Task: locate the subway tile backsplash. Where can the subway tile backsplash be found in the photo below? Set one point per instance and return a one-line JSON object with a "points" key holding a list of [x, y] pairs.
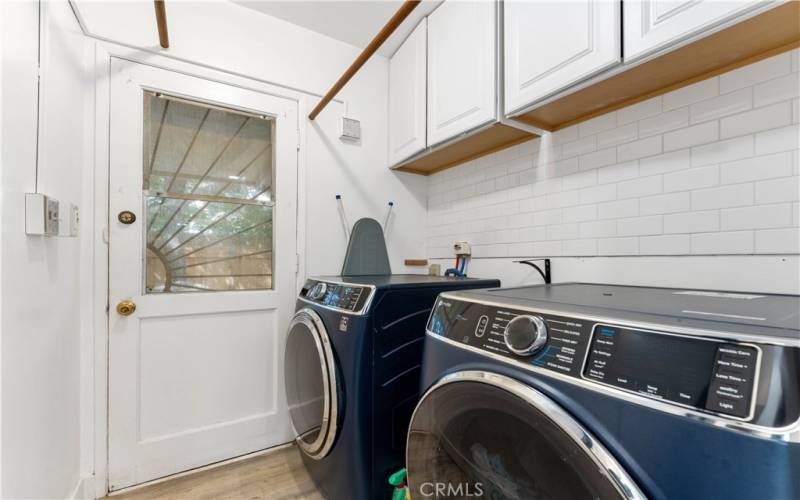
{"points": [[711, 168]]}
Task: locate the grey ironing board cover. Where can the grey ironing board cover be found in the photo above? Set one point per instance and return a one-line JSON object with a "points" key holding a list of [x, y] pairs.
{"points": [[366, 251]]}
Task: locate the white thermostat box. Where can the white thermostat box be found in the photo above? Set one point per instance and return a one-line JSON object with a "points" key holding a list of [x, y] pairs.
{"points": [[351, 130]]}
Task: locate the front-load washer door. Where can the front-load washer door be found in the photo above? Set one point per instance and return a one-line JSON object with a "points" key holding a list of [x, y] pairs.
{"points": [[484, 435], [312, 387]]}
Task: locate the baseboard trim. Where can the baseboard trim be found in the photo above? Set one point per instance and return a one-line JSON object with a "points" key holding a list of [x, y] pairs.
{"points": [[201, 469], [84, 490]]}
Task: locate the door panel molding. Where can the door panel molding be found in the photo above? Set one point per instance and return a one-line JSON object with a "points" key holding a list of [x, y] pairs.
{"points": [[538, 68], [407, 96], [461, 62], [648, 29]]}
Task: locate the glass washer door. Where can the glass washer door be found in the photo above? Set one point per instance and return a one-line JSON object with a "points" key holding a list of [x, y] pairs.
{"points": [[483, 435], [312, 387]]}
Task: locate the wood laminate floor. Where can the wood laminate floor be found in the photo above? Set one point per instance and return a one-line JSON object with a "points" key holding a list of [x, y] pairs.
{"points": [[277, 475]]}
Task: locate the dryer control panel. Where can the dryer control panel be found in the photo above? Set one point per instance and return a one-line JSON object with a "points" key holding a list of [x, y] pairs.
{"points": [[704, 374], [345, 297]]}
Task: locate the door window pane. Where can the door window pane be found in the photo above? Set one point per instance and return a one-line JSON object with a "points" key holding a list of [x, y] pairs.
{"points": [[208, 183]]}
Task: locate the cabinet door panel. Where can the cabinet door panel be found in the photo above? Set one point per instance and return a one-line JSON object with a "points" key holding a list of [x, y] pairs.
{"points": [[551, 45], [461, 68], [651, 25], [407, 97]]}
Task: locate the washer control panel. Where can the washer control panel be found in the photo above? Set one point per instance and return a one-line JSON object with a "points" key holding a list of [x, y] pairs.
{"points": [[555, 343], [708, 375], [340, 296], [703, 374]]}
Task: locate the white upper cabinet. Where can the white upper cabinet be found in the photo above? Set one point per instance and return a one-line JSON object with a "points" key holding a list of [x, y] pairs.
{"points": [[461, 68], [651, 25], [551, 45], [407, 97]]}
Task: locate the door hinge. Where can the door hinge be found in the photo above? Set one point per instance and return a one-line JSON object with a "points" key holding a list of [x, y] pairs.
{"points": [[297, 263], [298, 139]]}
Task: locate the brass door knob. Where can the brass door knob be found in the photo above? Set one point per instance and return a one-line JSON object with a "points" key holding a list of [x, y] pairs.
{"points": [[126, 307], [126, 217]]}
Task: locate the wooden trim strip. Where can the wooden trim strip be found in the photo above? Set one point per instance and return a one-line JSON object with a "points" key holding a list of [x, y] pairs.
{"points": [[684, 83], [161, 22], [482, 142], [399, 16]]}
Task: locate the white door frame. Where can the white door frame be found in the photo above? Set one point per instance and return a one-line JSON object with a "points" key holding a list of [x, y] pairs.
{"points": [[95, 221]]}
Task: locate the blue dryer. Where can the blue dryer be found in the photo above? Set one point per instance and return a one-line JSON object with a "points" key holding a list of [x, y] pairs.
{"points": [[352, 368], [587, 391]]}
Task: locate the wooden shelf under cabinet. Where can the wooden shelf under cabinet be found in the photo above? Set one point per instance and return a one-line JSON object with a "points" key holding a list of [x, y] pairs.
{"points": [[769, 33], [465, 148]]}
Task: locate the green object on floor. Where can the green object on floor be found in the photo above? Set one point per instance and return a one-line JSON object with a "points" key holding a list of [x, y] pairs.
{"points": [[398, 480]]}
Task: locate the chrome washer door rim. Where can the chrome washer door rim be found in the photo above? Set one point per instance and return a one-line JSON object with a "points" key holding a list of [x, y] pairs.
{"points": [[328, 430], [605, 461]]}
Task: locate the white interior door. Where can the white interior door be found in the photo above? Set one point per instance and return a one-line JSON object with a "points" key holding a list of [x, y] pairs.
{"points": [[208, 170]]}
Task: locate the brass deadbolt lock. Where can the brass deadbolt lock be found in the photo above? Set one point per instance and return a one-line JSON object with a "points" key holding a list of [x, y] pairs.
{"points": [[126, 217], [126, 307]]}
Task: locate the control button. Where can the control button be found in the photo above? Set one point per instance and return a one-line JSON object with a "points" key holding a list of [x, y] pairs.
{"points": [[724, 404], [598, 363], [733, 391], [736, 377], [318, 291], [601, 353], [733, 363], [740, 352], [525, 334], [480, 328], [606, 343], [731, 384], [625, 382], [652, 389], [596, 374]]}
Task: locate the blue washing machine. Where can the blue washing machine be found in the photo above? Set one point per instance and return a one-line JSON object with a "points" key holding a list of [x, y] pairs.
{"points": [[574, 391], [352, 367]]}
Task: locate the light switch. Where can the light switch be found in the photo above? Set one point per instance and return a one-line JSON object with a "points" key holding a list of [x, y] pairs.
{"points": [[71, 223]]}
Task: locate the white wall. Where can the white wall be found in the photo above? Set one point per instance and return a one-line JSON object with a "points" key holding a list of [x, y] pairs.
{"points": [[39, 289], [650, 194], [232, 38]]}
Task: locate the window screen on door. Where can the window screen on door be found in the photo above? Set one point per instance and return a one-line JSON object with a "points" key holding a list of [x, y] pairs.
{"points": [[208, 184]]}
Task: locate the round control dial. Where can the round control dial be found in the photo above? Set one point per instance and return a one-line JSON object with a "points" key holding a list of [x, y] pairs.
{"points": [[525, 334], [318, 291]]}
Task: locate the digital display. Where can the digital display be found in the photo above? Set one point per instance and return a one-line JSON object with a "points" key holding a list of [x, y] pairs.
{"points": [[658, 365]]}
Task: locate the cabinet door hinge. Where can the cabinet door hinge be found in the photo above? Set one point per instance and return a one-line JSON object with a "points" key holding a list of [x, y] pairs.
{"points": [[298, 139]]}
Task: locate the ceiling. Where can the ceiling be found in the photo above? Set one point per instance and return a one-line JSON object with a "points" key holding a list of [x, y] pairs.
{"points": [[351, 21]]}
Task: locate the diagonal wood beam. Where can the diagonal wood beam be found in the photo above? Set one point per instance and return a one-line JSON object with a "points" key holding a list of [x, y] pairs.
{"points": [[374, 45], [161, 21]]}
